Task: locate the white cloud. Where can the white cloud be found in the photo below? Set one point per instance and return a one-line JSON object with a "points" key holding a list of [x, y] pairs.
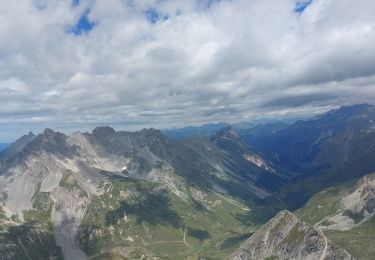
{"points": [[232, 61]]}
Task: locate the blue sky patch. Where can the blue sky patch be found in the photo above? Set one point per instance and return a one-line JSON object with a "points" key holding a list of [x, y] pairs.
{"points": [[39, 5], [75, 3], [206, 4], [83, 25], [154, 16], [301, 6]]}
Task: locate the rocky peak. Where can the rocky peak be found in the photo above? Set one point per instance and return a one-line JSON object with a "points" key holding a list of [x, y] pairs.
{"points": [[286, 237], [227, 133], [48, 132], [151, 131], [49, 141], [152, 135], [17, 146], [229, 140], [286, 215], [50, 137], [103, 131], [354, 109]]}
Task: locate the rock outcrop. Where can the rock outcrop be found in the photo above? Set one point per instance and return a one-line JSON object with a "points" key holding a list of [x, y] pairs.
{"points": [[286, 237]]}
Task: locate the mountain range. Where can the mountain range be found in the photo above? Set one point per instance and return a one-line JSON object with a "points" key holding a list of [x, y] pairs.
{"points": [[210, 193]]}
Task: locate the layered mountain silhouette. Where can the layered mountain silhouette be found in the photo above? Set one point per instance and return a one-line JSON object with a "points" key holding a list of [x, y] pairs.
{"points": [[113, 194], [325, 150]]}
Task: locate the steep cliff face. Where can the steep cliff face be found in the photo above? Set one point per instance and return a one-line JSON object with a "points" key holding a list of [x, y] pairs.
{"points": [[286, 237]]}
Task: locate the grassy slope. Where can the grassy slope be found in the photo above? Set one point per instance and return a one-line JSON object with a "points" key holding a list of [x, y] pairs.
{"points": [[357, 241], [159, 223], [324, 203]]}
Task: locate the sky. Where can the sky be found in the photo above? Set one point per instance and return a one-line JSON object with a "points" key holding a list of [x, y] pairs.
{"points": [[74, 65]]}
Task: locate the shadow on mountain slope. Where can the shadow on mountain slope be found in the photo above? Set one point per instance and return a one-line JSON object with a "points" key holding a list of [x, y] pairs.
{"points": [[198, 233], [152, 208], [235, 241], [28, 242]]}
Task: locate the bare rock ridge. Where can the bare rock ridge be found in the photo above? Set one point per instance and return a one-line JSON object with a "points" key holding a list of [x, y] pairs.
{"points": [[16, 147], [286, 237]]}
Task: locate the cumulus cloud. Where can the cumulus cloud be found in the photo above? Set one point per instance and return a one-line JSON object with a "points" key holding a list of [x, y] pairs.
{"points": [[77, 64]]}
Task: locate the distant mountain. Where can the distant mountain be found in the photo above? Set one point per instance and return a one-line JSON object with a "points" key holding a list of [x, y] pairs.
{"points": [[260, 131], [321, 140], [194, 131], [256, 128], [318, 152], [286, 237]]}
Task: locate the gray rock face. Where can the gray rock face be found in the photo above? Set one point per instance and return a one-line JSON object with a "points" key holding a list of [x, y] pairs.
{"points": [[286, 237], [16, 147]]}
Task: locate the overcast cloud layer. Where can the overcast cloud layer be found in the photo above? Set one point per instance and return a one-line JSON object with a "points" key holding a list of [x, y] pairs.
{"points": [[163, 63]]}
